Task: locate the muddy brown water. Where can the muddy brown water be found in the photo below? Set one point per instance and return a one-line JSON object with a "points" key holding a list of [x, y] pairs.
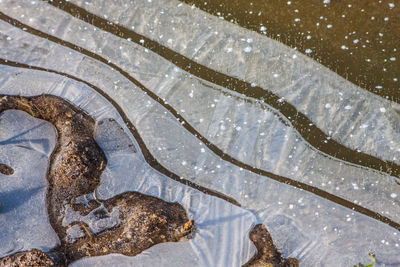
{"points": [[359, 40]]}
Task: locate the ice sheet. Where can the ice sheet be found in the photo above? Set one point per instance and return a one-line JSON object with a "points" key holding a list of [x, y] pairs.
{"points": [[247, 130], [217, 221], [25, 146], [303, 225], [326, 98]]}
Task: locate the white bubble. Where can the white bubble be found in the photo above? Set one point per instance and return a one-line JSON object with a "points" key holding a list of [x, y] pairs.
{"points": [[355, 186], [247, 49]]}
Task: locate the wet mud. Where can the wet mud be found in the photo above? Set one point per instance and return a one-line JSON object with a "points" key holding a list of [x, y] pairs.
{"points": [[144, 222], [32, 257], [6, 170], [75, 168], [267, 254]]}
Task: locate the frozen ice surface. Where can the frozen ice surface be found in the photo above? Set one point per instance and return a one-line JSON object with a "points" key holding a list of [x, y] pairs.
{"points": [[301, 81], [217, 221], [163, 254], [25, 146], [315, 230], [249, 131]]}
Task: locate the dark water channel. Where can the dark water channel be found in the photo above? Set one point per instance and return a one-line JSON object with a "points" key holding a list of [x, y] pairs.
{"points": [[360, 40], [235, 126]]}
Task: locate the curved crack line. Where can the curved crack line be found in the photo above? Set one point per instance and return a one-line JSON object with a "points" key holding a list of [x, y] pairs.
{"points": [[287, 123], [155, 164], [164, 103], [145, 151], [74, 170], [308, 130], [180, 118], [212, 147]]}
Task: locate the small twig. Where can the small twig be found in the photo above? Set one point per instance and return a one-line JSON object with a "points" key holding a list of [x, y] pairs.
{"points": [[101, 165], [87, 231], [29, 108]]}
